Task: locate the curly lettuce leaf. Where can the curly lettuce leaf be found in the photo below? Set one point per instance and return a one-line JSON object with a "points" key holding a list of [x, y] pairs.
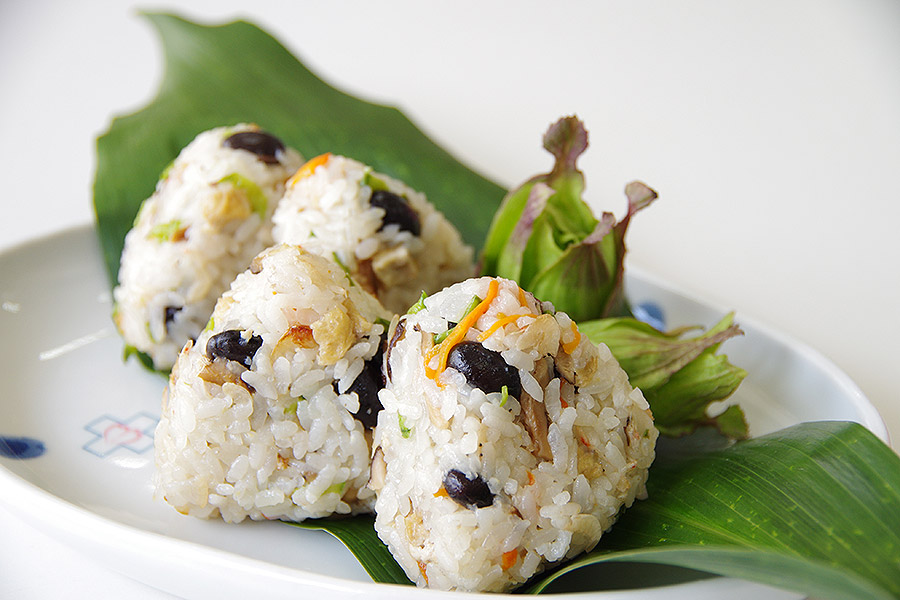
{"points": [[679, 376]]}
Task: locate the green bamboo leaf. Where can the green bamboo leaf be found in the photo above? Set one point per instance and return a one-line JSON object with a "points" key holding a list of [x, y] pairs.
{"points": [[238, 73], [814, 508], [358, 535], [772, 568], [142, 357]]}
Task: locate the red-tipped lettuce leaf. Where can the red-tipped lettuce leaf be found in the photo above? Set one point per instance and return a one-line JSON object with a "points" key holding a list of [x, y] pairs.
{"points": [[546, 237]]}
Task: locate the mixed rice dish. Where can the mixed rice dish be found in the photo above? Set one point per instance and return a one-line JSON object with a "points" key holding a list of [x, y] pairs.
{"points": [[332, 354]]}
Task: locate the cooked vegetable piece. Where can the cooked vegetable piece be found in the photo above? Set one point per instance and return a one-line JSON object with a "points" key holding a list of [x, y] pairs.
{"points": [[398, 334], [264, 145], [484, 369], [171, 311], [396, 210], [472, 493], [232, 345], [534, 413], [171, 231]]}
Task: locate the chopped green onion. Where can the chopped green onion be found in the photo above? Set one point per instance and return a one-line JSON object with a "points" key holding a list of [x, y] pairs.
{"points": [[337, 488], [420, 305], [149, 331], [165, 173], [504, 395], [140, 211], [440, 337], [292, 407], [475, 301], [373, 182], [383, 322], [343, 267], [404, 430], [165, 232], [255, 195]]}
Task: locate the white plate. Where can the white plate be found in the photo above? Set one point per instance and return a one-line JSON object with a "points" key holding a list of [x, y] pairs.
{"points": [[90, 418]]}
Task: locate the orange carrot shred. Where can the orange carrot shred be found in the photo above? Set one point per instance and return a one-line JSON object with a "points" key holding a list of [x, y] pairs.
{"points": [[442, 350], [564, 403], [502, 321], [569, 347], [441, 493], [422, 570], [308, 168], [509, 559], [530, 478], [522, 300]]}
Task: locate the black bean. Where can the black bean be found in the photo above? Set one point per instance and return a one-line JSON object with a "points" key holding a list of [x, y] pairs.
{"points": [[366, 388], [232, 345], [171, 311], [264, 145], [484, 369], [366, 385], [396, 210], [468, 492]]}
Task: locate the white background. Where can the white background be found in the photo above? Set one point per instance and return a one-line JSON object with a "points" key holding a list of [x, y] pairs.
{"points": [[771, 131]]}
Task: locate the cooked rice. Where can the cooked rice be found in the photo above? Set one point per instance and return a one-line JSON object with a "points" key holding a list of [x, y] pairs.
{"points": [[598, 445], [328, 209], [273, 440], [209, 216]]}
